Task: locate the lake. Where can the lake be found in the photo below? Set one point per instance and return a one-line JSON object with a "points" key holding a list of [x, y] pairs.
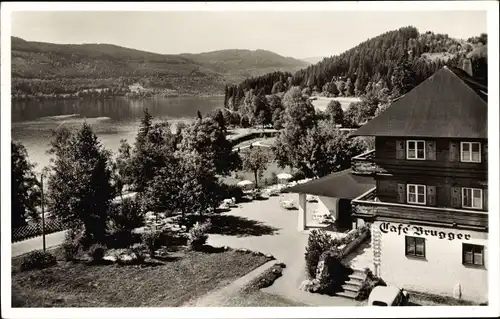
{"points": [[112, 119]]}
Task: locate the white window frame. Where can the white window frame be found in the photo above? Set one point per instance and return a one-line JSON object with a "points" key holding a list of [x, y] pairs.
{"points": [[416, 194], [469, 160], [472, 189], [416, 150]]}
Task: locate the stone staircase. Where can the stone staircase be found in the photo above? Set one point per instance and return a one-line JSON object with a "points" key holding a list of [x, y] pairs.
{"points": [[352, 286]]}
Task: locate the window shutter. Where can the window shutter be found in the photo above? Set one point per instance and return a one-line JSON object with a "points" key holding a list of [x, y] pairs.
{"points": [[456, 197], [454, 151], [431, 150], [431, 195], [484, 152], [485, 198], [400, 149], [401, 193]]}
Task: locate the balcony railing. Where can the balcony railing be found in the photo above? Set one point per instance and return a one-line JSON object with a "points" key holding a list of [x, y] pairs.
{"points": [[364, 164], [369, 206]]}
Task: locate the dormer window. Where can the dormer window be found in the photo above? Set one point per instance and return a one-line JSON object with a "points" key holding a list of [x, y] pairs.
{"points": [[415, 150], [470, 152]]}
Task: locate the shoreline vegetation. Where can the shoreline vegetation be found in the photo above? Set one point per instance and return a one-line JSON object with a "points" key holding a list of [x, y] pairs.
{"points": [[107, 93]]}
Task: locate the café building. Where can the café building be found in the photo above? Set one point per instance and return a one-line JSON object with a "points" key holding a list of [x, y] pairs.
{"points": [[429, 205]]}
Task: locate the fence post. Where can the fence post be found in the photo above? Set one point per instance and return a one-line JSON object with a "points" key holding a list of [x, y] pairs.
{"points": [[43, 213]]}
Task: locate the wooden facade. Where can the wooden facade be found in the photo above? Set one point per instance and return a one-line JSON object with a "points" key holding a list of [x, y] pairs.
{"points": [[442, 171]]}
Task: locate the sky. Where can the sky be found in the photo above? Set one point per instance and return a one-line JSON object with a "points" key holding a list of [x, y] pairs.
{"points": [[296, 34]]}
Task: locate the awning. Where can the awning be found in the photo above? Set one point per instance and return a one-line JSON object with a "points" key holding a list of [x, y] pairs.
{"points": [[343, 184]]}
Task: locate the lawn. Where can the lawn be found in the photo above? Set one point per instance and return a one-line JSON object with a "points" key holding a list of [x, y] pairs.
{"points": [[272, 167], [164, 282], [260, 299]]}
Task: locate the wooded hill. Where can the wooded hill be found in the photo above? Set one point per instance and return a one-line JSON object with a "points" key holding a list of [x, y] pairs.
{"points": [[53, 69], [374, 65]]}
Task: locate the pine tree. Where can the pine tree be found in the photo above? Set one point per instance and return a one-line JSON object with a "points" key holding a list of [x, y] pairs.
{"points": [[80, 187]]}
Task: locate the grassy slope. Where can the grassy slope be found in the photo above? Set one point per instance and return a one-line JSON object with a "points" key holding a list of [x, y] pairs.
{"points": [[171, 283]]}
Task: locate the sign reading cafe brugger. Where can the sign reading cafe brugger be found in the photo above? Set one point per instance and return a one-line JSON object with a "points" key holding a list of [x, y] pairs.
{"points": [[419, 231]]}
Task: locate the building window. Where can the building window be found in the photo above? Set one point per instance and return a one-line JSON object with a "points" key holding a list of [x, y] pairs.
{"points": [[470, 152], [472, 254], [415, 246], [472, 198], [415, 150], [415, 194]]}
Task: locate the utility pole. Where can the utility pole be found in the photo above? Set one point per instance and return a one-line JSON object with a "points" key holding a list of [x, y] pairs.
{"points": [[43, 212]]}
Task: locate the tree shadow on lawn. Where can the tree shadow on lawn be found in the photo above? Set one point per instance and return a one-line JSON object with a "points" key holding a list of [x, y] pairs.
{"points": [[213, 250], [239, 226], [165, 259]]}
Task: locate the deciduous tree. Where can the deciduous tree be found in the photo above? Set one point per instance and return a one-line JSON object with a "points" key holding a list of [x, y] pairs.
{"points": [[25, 191], [334, 112], [255, 160]]}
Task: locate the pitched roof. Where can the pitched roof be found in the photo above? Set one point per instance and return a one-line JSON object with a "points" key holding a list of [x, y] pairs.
{"points": [[343, 184], [447, 104]]}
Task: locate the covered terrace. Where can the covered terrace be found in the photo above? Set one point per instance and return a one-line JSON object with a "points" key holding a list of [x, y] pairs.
{"points": [[334, 193]]}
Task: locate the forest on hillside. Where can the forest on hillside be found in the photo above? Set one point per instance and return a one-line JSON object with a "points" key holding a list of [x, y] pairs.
{"points": [[47, 70], [373, 66]]}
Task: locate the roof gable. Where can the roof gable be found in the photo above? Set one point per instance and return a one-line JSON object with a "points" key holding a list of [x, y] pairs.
{"points": [[443, 105]]}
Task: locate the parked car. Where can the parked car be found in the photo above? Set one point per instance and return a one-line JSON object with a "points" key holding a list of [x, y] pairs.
{"points": [[388, 296], [224, 205], [272, 191], [311, 198], [287, 204]]}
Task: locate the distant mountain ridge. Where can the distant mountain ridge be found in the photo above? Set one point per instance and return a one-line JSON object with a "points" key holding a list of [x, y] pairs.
{"points": [[313, 60], [48, 68]]}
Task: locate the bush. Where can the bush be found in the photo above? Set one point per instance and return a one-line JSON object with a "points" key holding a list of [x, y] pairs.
{"points": [[318, 242], [198, 236], [266, 279], [96, 252], [37, 259], [231, 191], [367, 286], [274, 179], [331, 273], [151, 240], [138, 249], [72, 244], [124, 218], [298, 175]]}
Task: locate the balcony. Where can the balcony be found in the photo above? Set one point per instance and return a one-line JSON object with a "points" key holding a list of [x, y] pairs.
{"points": [[370, 207], [364, 164]]}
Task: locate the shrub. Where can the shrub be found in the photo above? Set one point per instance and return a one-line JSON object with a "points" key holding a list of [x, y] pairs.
{"points": [[318, 242], [367, 286], [274, 179], [96, 252], [72, 244], [138, 249], [124, 218], [298, 175], [331, 273], [37, 259], [231, 191], [198, 236], [151, 240], [266, 279]]}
